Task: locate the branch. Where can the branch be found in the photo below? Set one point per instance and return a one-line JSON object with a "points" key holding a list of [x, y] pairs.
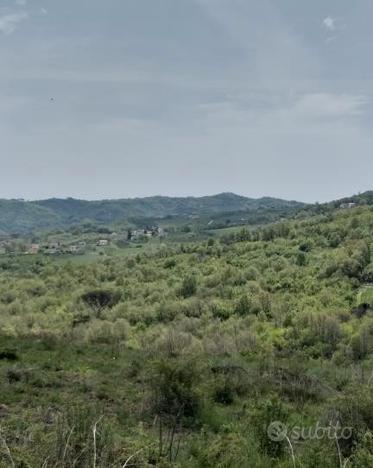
{"points": [[291, 450], [94, 442], [132, 456]]}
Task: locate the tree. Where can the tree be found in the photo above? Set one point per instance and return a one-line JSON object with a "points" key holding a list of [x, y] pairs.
{"points": [[188, 287], [101, 298]]}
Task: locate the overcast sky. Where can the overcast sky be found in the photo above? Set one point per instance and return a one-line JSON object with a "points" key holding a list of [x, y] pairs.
{"points": [[124, 98]]}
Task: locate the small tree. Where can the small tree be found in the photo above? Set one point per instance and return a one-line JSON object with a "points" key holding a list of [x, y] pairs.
{"points": [[188, 287], [101, 299], [175, 402]]}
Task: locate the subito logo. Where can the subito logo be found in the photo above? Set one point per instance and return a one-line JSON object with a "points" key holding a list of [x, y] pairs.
{"points": [[277, 431]]}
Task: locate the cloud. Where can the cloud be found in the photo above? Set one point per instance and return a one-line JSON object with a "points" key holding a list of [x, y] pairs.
{"points": [[330, 23], [21, 2], [44, 11], [9, 22], [331, 105]]}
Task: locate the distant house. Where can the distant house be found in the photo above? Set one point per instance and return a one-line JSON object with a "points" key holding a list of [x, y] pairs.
{"points": [[34, 249], [2, 247], [345, 206], [148, 232], [136, 234], [102, 243], [162, 232], [52, 248]]}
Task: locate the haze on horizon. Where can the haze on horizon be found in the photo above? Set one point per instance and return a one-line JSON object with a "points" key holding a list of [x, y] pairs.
{"points": [[121, 98]]}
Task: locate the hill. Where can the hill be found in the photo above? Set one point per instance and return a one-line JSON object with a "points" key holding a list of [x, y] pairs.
{"points": [[186, 357], [26, 216], [22, 217], [365, 198]]}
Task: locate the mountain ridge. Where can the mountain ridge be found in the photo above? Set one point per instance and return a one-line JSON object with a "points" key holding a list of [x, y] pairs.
{"points": [[18, 216]]}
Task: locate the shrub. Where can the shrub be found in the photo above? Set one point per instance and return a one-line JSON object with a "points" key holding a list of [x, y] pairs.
{"points": [[227, 450], [74, 444], [247, 305], [188, 287], [174, 391], [9, 355], [361, 343], [368, 274], [101, 298], [220, 311], [353, 410], [363, 456], [267, 413]]}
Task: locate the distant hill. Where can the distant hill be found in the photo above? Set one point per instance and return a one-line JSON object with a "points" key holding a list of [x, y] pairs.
{"points": [[365, 198], [21, 217], [17, 216]]}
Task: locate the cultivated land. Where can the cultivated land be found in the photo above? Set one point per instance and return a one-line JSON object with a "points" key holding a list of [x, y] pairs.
{"points": [[181, 355]]}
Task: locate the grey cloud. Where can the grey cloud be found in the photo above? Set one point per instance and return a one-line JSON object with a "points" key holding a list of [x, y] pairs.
{"points": [[10, 21], [186, 97], [330, 23]]}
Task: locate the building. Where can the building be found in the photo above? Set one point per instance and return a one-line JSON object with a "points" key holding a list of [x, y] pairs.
{"points": [[34, 249], [137, 234], [345, 206], [162, 232], [102, 243]]}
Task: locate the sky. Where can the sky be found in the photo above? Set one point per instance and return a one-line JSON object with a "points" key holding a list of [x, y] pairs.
{"points": [[131, 98]]}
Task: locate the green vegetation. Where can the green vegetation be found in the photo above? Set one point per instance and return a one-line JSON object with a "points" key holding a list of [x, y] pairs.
{"points": [[185, 355], [17, 216]]}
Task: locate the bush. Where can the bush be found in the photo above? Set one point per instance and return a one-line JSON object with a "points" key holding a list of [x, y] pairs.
{"points": [[247, 305], [267, 413], [174, 391], [361, 344], [101, 298], [73, 444], [353, 410], [227, 450], [368, 274], [188, 287]]}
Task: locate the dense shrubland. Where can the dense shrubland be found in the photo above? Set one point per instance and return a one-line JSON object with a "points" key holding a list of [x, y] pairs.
{"points": [[183, 358]]}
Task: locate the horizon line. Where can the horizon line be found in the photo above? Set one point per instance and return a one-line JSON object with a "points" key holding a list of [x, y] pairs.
{"points": [[36, 200]]}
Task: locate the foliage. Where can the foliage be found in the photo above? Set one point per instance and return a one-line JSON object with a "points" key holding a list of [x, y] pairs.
{"points": [[17, 216], [184, 356]]}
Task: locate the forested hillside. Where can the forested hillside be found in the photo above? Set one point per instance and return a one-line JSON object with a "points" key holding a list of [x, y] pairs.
{"points": [[186, 357], [18, 216], [22, 217]]}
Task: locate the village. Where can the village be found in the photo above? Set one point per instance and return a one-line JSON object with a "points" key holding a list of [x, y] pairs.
{"points": [[15, 245]]}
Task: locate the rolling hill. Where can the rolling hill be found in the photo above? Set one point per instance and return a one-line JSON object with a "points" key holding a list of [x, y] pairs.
{"points": [[17, 216]]}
